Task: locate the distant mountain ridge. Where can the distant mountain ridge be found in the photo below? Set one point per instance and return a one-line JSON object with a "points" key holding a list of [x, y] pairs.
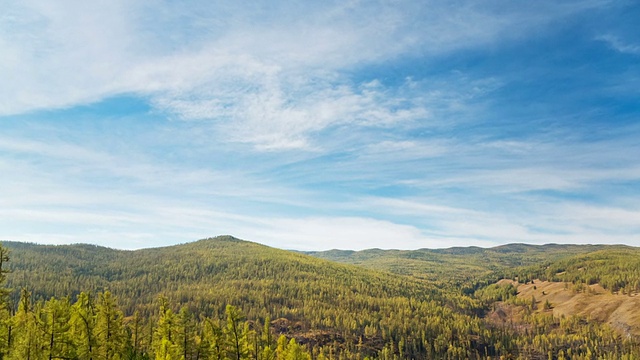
{"points": [[459, 264]]}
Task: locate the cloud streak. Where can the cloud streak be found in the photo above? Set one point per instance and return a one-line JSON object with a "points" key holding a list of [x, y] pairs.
{"points": [[284, 69], [312, 126]]}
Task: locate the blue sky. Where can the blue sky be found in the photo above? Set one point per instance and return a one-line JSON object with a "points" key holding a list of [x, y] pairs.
{"points": [[318, 125]]}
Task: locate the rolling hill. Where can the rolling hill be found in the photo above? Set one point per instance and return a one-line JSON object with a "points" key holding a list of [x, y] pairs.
{"points": [[342, 307], [382, 303], [462, 266]]}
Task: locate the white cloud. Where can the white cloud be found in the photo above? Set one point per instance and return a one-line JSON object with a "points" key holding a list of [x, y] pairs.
{"points": [[288, 77], [353, 233], [619, 45], [414, 207], [271, 75], [58, 150], [531, 220]]}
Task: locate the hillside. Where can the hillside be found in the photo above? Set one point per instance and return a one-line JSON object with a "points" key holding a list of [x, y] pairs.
{"points": [[182, 269], [460, 266], [592, 302], [319, 302], [412, 307]]}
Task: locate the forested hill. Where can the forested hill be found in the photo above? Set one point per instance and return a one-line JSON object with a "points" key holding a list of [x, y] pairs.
{"points": [[333, 306], [222, 268], [460, 265], [336, 311]]}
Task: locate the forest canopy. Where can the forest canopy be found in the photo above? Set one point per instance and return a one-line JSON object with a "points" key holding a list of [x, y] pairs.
{"points": [[224, 298]]}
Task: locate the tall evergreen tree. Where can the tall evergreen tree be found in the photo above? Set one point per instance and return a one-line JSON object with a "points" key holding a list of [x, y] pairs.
{"points": [[164, 344], [83, 323], [236, 332], [185, 336], [135, 328], [109, 329], [28, 344], [213, 340], [56, 316], [6, 324]]}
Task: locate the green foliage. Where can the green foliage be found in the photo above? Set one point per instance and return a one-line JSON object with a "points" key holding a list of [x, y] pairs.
{"points": [[464, 268], [329, 305], [56, 317], [82, 326], [495, 292], [28, 343], [215, 299], [617, 269], [109, 330], [290, 350]]}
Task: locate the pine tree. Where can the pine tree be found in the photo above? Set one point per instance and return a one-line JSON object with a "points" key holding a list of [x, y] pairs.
{"points": [[266, 341], [164, 337], [83, 323], [28, 342], [296, 351], [109, 330], [57, 314], [185, 336], [213, 340], [6, 325], [236, 334], [290, 350], [135, 328]]}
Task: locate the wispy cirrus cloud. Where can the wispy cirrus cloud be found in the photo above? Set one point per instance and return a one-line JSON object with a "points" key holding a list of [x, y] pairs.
{"points": [[314, 125], [531, 221], [619, 45], [271, 75]]}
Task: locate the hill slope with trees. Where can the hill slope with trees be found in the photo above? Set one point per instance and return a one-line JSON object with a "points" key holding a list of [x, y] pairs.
{"points": [[458, 262], [202, 295], [338, 308]]}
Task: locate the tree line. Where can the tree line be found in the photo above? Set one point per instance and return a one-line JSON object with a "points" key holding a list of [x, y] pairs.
{"points": [[95, 328]]}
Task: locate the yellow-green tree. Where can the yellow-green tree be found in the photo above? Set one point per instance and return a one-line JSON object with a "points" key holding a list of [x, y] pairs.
{"points": [[109, 329], [164, 344], [236, 334], [83, 323], [6, 325], [56, 320], [28, 344]]}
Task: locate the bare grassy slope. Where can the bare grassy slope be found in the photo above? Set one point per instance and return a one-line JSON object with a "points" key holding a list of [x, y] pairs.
{"points": [[622, 312]]}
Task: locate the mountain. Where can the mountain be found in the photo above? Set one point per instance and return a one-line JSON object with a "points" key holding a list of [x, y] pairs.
{"points": [[461, 265], [445, 303], [181, 271], [317, 301]]}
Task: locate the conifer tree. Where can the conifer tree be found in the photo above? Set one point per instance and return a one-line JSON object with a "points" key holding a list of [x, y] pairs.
{"points": [[164, 337], [56, 316], [213, 340], [28, 342], [109, 331], [185, 336], [6, 325], [266, 341], [135, 329], [236, 334], [83, 323], [290, 350]]}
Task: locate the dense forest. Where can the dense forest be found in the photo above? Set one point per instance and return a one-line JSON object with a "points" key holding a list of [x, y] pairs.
{"points": [[462, 267], [223, 298], [616, 269]]}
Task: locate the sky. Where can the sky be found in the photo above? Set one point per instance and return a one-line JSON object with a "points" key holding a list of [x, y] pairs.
{"points": [[317, 125]]}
